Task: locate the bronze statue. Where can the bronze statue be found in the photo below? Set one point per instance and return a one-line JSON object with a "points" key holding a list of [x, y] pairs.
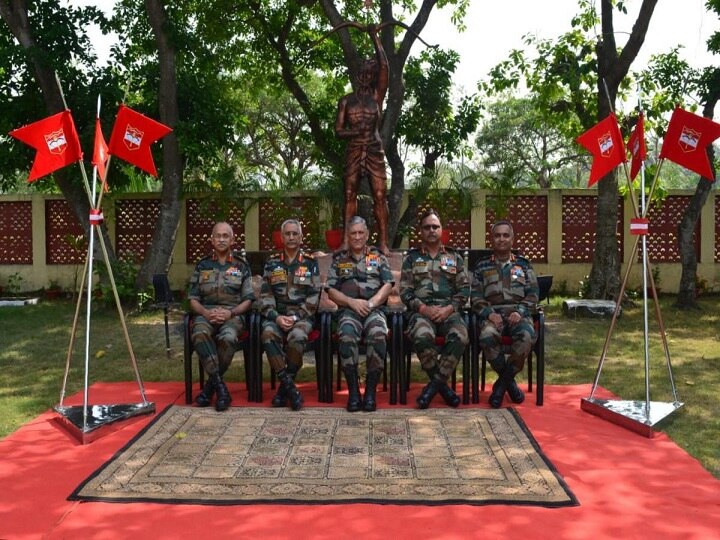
{"points": [[358, 120]]}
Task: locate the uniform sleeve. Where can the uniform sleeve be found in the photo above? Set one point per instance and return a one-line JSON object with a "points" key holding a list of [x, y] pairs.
{"points": [[309, 307], [407, 286], [478, 302], [247, 292], [386, 275], [332, 277], [194, 285], [462, 286], [268, 307], [532, 290]]}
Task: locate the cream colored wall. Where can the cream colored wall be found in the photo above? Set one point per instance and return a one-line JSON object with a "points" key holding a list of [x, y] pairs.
{"points": [[39, 275]]}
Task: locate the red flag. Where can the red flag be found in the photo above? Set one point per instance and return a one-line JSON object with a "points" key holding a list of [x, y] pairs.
{"points": [[605, 143], [636, 145], [132, 136], [686, 140], [100, 154], [55, 140]]}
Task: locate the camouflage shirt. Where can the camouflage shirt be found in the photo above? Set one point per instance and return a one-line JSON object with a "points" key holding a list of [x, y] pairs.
{"points": [[359, 278], [513, 283], [221, 285], [438, 281], [290, 288]]}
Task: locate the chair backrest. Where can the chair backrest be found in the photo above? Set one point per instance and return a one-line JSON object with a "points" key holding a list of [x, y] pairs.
{"points": [[544, 285], [163, 294], [395, 258], [324, 261], [256, 281]]}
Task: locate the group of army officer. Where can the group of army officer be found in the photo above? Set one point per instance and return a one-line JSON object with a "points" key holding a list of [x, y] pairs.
{"points": [[434, 288]]}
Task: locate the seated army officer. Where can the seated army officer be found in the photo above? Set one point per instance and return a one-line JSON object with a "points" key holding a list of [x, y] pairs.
{"points": [[288, 302], [434, 287], [359, 282], [504, 294], [220, 292]]}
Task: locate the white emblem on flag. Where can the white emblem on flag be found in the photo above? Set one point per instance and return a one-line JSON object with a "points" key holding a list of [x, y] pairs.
{"points": [[56, 142], [133, 137], [689, 139], [606, 144]]}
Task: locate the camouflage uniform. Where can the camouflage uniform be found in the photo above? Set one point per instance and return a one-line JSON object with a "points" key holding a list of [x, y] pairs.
{"points": [[361, 278], [288, 288], [219, 285], [505, 288], [438, 281]]}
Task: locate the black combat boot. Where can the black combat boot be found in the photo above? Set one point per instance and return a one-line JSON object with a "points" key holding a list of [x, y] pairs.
{"points": [[291, 392], [369, 401], [449, 396], [204, 398], [280, 397], [428, 393], [354, 402], [223, 394], [505, 378], [513, 390]]}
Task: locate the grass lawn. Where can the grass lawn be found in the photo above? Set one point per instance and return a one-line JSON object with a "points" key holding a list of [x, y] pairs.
{"points": [[34, 344]]}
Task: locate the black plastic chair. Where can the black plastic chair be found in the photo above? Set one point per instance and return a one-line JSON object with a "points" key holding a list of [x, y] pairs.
{"points": [[163, 299]]}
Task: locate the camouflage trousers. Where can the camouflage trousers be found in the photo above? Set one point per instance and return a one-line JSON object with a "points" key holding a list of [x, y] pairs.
{"points": [[285, 349], [523, 338], [351, 328], [422, 332], [216, 343]]}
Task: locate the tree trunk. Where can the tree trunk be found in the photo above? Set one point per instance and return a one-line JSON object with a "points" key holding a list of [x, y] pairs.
{"points": [[15, 15], [686, 296], [612, 69], [395, 193], [158, 255]]}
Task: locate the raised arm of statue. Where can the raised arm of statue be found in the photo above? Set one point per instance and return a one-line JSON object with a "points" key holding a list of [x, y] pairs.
{"points": [[383, 70]]}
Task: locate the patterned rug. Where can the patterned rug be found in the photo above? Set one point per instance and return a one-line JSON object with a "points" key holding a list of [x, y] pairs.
{"points": [[327, 455]]}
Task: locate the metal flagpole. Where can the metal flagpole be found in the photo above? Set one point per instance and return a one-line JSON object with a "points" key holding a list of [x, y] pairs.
{"points": [[637, 416], [91, 422]]}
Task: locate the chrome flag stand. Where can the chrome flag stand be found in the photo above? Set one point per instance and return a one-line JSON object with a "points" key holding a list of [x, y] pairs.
{"points": [[89, 422], [636, 415]]}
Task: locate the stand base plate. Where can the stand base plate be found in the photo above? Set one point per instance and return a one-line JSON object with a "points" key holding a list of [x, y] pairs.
{"points": [[637, 416], [101, 419]]}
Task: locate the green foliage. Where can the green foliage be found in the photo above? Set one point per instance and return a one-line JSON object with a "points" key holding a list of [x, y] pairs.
{"points": [[430, 121], [584, 287], [659, 194], [124, 274], [14, 285], [447, 185], [62, 42], [516, 134]]}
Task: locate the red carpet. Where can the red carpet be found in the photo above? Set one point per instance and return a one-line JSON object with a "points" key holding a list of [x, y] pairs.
{"points": [[628, 487]]}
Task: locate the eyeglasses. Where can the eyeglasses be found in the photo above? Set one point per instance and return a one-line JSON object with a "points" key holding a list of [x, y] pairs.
{"points": [[431, 227]]}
